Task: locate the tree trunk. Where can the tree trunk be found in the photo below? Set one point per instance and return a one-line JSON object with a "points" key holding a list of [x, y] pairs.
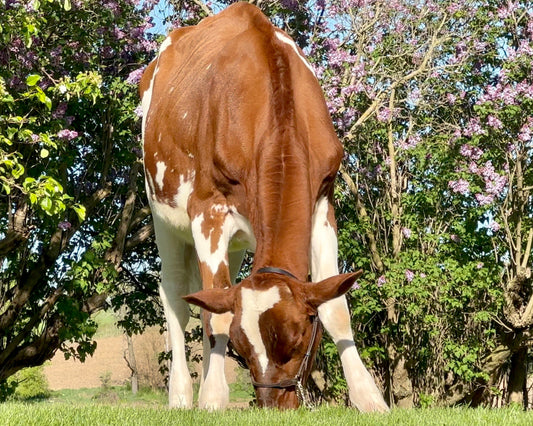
{"points": [[516, 386], [399, 386], [132, 364]]}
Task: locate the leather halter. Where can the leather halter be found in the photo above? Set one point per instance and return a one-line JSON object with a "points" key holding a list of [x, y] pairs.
{"points": [[273, 270], [297, 380]]}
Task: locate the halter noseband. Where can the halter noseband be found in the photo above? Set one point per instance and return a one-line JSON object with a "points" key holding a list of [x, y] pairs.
{"points": [[297, 380]]}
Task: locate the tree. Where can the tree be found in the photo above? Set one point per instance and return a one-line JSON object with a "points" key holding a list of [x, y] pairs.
{"points": [[428, 98], [73, 222]]}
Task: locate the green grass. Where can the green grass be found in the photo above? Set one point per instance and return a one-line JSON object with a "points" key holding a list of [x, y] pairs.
{"points": [[117, 406], [50, 413], [107, 325], [114, 395]]}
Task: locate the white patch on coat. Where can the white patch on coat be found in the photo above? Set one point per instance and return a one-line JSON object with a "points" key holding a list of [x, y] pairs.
{"points": [[185, 115], [147, 95], [213, 259], [254, 303], [160, 174], [176, 216], [146, 101], [287, 40], [166, 43], [237, 234]]}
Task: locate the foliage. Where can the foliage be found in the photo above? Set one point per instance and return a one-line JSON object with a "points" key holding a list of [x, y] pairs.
{"points": [[29, 383], [69, 148], [426, 104]]}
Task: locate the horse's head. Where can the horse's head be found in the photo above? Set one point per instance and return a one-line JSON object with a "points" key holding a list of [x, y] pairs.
{"points": [[272, 327]]}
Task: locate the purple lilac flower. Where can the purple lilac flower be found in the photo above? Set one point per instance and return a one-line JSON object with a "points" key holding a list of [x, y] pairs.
{"points": [[60, 111], [474, 128], [409, 275], [525, 133], [135, 76], [67, 134], [139, 111], [381, 280], [460, 186], [484, 200], [64, 226], [451, 98], [494, 226], [385, 114], [479, 265], [472, 152], [494, 122], [411, 142], [406, 232]]}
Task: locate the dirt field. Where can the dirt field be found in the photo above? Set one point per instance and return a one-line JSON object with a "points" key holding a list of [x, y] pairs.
{"points": [[108, 362]]}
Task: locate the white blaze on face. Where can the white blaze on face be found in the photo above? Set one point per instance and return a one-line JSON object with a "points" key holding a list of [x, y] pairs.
{"points": [[287, 40], [254, 303]]}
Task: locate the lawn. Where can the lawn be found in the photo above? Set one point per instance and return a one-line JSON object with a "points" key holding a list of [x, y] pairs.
{"points": [[116, 406]]}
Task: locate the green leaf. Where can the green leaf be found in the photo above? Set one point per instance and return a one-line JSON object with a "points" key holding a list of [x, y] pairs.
{"points": [[46, 204], [7, 188], [67, 5], [80, 211], [44, 153], [32, 79]]}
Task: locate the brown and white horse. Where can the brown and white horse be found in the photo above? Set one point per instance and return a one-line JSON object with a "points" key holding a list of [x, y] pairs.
{"points": [[240, 153]]}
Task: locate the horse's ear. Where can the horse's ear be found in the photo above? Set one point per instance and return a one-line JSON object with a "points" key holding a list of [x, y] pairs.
{"points": [[216, 300], [317, 293]]}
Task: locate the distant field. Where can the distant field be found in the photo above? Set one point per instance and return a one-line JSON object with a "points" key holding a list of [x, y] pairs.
{"points": [[47, 413]]}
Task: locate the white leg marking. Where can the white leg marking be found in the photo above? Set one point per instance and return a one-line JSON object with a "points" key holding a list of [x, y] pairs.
{"points": [[160, 174], [254, 303], [323, 244], [215, 393], [214, 390], [335, 315], [286, 39], [185, 115], [176, 281]]}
